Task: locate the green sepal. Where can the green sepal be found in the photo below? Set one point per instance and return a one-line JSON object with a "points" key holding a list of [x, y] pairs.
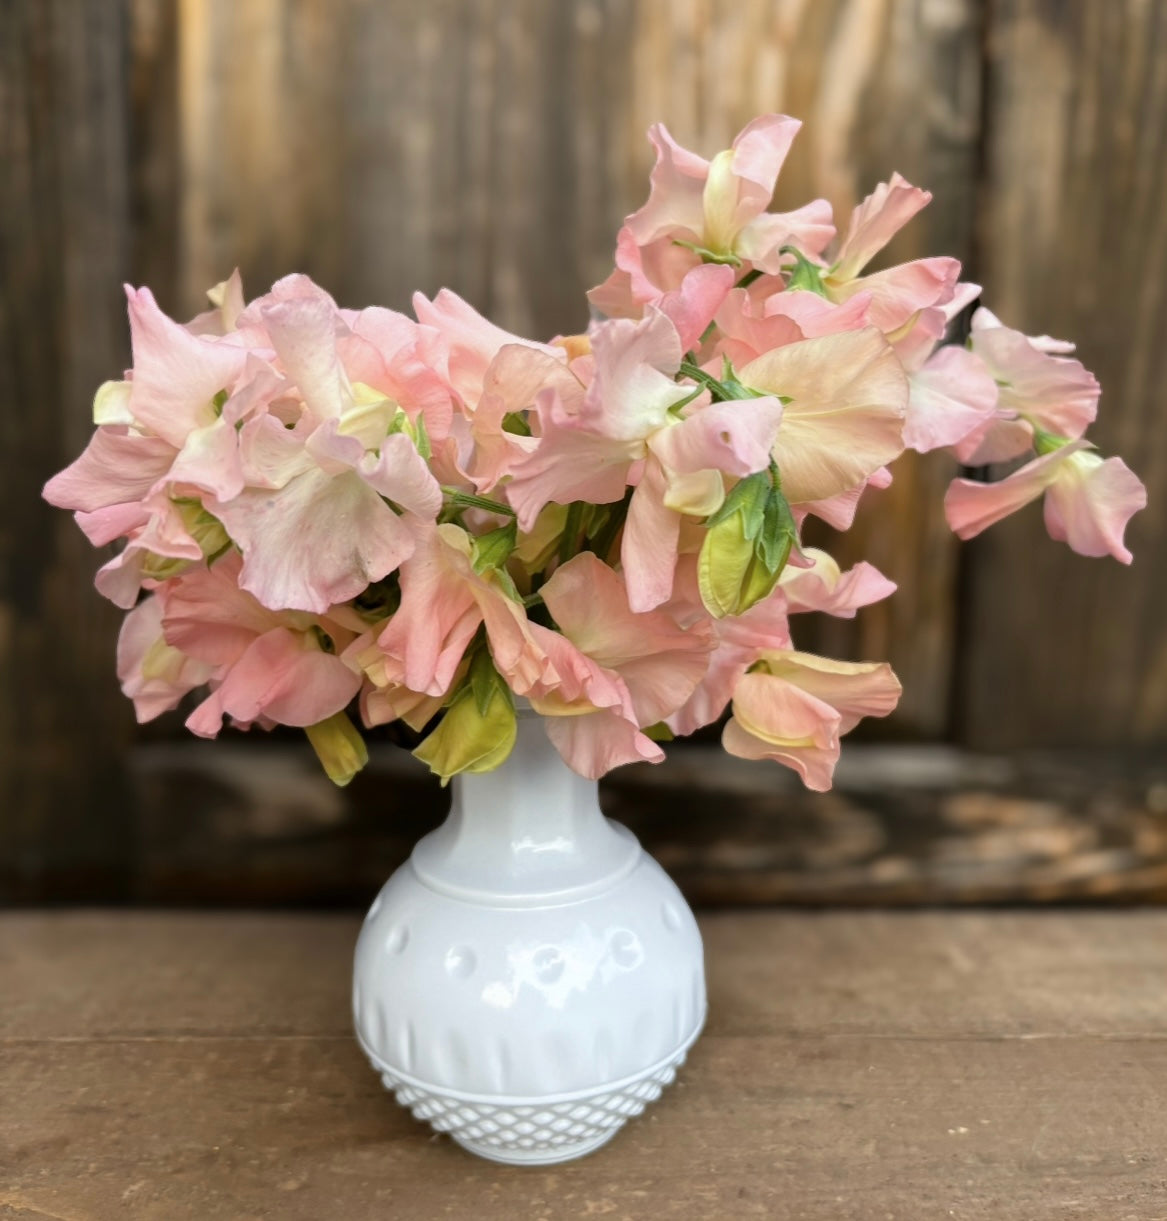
{"points": [[707, 255], [748, 496], [493, 549], [515, 423], [805, 275]]}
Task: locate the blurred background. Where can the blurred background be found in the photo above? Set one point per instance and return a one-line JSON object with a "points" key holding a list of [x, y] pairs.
{"points": [[494, 147]]}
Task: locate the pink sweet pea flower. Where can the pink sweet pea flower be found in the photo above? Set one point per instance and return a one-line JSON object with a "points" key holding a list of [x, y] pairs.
{"points": [[1039, 387], [313, 523], [739, 640], [1089, 500], [796, 707], [901, 292], [749, 326], [952, 396], [266, 667], [625, 431], [154, 674], [591, 720], [472, 341], [713, 210], [177, 374], [443, 601], [659, 661]]}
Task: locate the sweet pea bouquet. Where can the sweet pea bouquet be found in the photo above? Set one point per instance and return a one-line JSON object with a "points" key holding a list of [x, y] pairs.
{"points": [[329, 514]]}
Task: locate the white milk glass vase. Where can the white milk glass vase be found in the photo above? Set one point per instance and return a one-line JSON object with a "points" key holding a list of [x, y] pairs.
{"points": [[530, 978]]}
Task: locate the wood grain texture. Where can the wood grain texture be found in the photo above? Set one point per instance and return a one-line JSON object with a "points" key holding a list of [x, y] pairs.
{"points": [[1074, 223], [991, 1066], [225, 823], [64, 249]]}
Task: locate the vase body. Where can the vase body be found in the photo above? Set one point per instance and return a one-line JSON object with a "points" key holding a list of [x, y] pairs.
{"points": [[530, 978]]}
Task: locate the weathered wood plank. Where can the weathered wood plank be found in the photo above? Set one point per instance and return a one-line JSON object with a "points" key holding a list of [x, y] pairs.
{"points": [[1074, 243], [230, 823], [976, 1066], [64, 249]]}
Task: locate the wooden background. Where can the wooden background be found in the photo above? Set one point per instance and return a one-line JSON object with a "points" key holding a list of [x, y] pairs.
{"points": [[384, 146]]}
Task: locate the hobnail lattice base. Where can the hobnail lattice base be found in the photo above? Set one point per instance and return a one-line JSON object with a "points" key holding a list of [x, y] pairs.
{"points": [[533, 1131]]}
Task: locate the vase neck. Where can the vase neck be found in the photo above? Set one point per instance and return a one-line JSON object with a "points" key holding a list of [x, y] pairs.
{"points": [[530, 831]]}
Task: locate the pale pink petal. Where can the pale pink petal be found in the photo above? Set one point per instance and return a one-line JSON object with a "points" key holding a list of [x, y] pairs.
{"points": [[984, 319], [809, 229], [740, 181], [692, 306], [971, 507], [744, 333], [952, 396], [734, 437], [152, 674], [116, 468], [899, 292], [659, 661], [102, 526], [513, 382], [1056, 393], [674, 206], [283, 677], [317, 541], [121, 579], [875, 222], [634, 386], [271, 454], [394, 355], [570, 463], [759, 151], [176, 374], [825, 588], [438, 615], [776, 720], [815, 315], [210, 460], [796, 709], [304, 334], [1090, 502], [473, 340], [207, 615], [999, 439], [594, 743], [648, 552], [855, 689]]}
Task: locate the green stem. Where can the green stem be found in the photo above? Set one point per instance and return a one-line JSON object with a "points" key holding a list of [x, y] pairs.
{"points": [[688, 369], [468, 500], [571, 529]]}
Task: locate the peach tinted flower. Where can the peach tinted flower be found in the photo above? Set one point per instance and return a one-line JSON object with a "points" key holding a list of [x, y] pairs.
{"points": [[1089, 500], [712, 210], [845, 397], [797, 706]]}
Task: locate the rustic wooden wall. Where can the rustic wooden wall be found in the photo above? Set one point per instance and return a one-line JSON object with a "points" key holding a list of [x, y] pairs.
{"points": [[494, 145]]}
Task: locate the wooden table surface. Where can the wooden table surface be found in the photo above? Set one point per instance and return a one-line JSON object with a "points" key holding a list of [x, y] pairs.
{"points": [[869, 1066]]}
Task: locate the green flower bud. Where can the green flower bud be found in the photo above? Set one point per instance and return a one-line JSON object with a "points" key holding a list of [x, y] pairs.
{"points": [[339, 747], [478, 730], [746, 546]]}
